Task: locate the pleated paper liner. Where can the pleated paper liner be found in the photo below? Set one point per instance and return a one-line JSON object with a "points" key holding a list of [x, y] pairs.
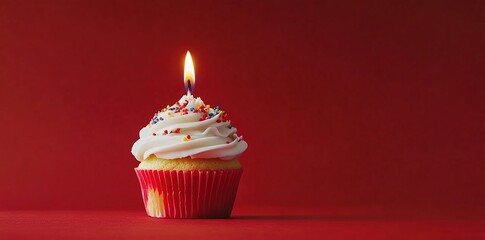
{"points": [[189, 194]]}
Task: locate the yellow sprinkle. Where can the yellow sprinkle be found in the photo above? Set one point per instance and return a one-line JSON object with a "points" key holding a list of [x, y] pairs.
{"points": [[186, 139]]}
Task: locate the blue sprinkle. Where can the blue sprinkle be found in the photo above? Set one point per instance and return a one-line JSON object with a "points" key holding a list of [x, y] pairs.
{"points": [[176, 108], [229, 126], [192, 109], [211, 114]]}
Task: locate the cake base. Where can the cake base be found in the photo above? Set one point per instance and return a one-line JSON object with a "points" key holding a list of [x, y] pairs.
{"points": [[189, 194]]}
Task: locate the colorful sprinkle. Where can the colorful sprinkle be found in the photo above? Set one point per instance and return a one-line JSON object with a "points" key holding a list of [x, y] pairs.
{"points": [[181, 108]]}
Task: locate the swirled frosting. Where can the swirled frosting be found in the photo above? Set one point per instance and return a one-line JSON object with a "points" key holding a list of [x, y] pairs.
{"points": [[189, 128]]}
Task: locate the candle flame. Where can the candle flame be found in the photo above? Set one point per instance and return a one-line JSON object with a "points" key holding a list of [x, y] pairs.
{"points": [[189, 74]]}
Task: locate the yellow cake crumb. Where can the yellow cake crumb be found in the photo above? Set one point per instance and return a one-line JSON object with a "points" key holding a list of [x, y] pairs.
{"points": [[187, 164], [154, 204]]}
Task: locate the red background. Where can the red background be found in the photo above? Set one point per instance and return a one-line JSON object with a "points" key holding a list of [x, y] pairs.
{"points": [[342, 104]]}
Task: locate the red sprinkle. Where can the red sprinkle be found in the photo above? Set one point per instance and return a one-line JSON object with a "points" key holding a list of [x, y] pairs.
{"points": [[227, 142], [154, 134], [165, 132], [188, 136], [177, 130]]}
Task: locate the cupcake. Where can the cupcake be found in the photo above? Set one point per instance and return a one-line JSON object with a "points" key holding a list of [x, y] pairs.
{"points": [[189, 165]]}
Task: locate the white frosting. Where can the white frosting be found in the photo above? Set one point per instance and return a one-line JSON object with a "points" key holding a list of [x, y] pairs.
{"points": [[203, 132]]}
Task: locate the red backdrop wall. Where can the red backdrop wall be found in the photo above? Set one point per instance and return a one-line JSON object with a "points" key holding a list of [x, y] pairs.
{"points": [[342, 104]]}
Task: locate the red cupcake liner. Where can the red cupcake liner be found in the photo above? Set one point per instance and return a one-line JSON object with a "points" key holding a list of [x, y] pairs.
{"points": [[189, 194]]}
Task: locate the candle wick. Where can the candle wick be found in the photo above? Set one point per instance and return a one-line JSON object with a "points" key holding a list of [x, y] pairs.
{"points": [[189, 87]]}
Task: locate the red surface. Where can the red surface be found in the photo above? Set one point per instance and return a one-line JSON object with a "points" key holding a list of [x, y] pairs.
{"points": [[272, 225], [342, 104]]}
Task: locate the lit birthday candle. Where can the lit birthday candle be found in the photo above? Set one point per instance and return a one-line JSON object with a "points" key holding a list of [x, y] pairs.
{"points": [[189, 74]]}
